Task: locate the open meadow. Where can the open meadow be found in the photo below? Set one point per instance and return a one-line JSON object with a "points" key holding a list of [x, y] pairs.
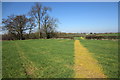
{"points": [[54, 58]]}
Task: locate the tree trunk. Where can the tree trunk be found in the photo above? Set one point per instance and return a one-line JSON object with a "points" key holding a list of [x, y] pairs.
{"points": [[39, 29]]}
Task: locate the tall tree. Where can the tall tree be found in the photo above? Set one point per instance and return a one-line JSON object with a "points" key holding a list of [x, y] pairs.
{"points": [[16, 25], [49, 26], [38, 12]]}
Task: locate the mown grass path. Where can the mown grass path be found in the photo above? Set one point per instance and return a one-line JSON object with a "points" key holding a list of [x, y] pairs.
{"points": [[85, 65], [27, 64]]}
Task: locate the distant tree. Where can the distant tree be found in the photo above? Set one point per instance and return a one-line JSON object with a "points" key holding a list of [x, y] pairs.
{"points": [[38, 12], [49, 26], [16, 25], [91, 33]]}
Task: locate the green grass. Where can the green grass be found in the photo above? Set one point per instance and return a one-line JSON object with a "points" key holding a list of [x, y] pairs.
{"points": [[0, 59], [46, 58], [11, 63], [54, 58], [106, 52]]}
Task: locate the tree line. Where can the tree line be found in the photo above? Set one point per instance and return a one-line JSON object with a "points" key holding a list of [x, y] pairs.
{"points": [[20, 27]]}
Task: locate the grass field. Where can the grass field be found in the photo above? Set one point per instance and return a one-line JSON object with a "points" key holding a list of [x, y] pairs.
{"points": [[38, 58], [110, 34], [106, 52], [54, 58]]}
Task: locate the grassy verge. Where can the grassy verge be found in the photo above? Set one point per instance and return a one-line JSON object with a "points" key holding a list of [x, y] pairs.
{"points": [[106, 52], [38, 58]]}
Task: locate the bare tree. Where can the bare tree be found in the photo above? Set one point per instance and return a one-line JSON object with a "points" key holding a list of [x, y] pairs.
{"points": [[38, 12], [16, 25], [49, 26], [8, 26]]}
